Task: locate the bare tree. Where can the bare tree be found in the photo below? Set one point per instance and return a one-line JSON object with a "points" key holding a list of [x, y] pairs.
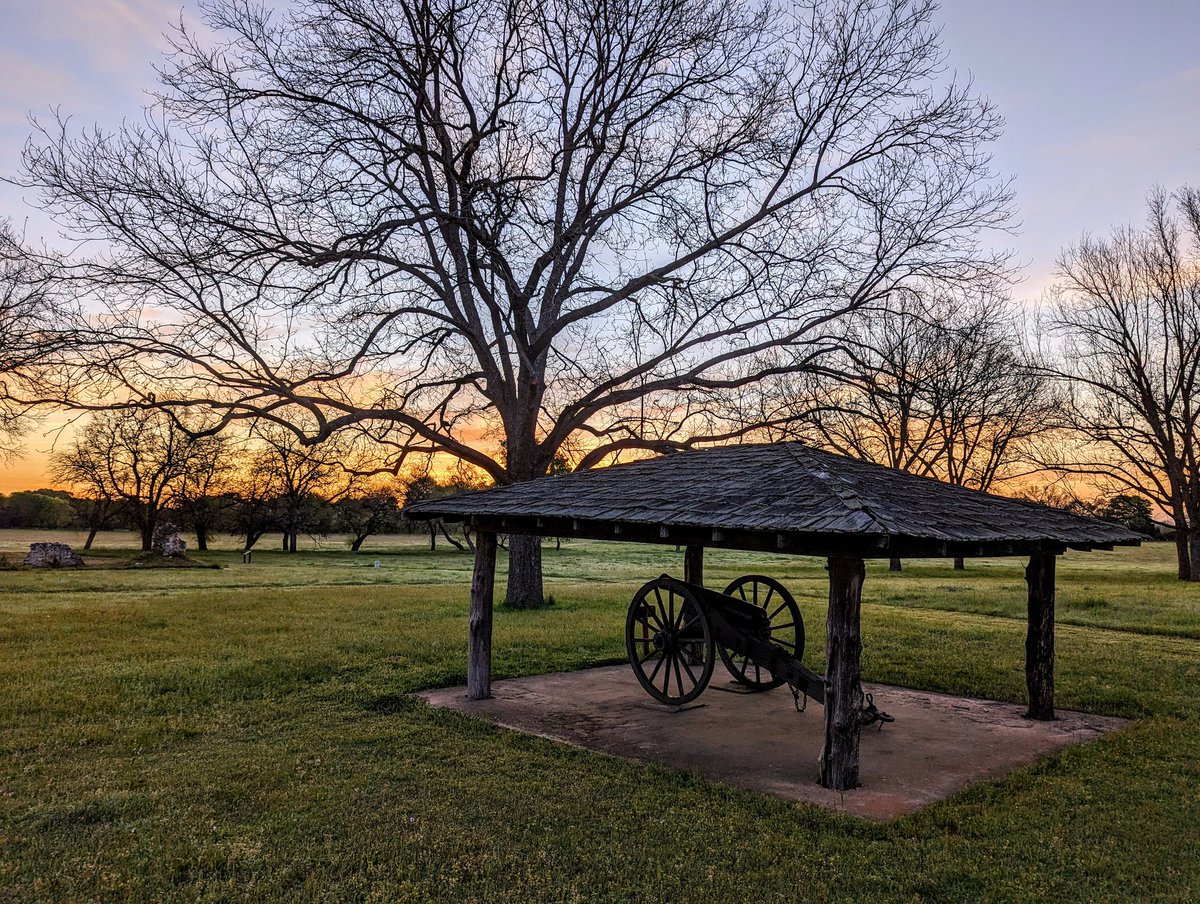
{"points": [[942, 387], [302, 477], [28, 311], [137, 457], [884, 402], [995, 400], [95, 508], [200, 493], [252, 493], [369, 510], [496, 228], [1128, 312]]}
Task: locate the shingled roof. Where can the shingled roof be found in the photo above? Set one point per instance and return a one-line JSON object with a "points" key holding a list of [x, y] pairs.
{"points": [[776, 496]]}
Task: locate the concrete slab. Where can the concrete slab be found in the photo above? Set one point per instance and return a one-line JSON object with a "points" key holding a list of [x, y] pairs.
{"points": [[937, 745]]}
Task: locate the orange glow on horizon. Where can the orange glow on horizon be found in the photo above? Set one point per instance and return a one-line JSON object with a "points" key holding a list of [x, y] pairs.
{"points": [[25, 473], [30, 469]]}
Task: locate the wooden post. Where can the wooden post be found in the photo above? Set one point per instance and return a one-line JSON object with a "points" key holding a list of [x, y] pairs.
{"points": [[479, 631], [693, 565], [843, 655], [1039, 637]]}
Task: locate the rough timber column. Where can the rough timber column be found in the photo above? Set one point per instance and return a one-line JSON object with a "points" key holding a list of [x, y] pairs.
{"points": [[693, 565], [479, 631], [1039, 637], [843, 655]]}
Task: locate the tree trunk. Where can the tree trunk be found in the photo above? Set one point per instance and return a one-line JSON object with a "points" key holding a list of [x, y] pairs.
{"points": [[843, 659], [147, 536], [894, 565], [91, 537], [449, 538], [358, 542], [524, 572], [432, 536], [524, 590], [285, 540], [1039, 637], [693, 565], [479, 627], [292, 538], [1182, 552], [959, 564], [1194, 552], [201, 538]]}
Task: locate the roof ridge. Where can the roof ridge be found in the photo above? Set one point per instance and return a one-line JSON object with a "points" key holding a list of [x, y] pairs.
{"points": [[846, 496]]}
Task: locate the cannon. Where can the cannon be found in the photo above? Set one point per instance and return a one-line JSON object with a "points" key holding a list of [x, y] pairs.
{"points": [[676, 630]]}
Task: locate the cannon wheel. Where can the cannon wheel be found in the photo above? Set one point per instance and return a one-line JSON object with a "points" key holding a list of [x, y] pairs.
{"points": [[669, 642], [787, 628]]}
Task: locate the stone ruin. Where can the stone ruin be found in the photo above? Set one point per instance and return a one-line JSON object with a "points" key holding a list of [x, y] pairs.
{"points": [[166, 541], [52, 555]]}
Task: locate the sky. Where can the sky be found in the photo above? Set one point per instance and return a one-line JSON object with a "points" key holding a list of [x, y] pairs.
{"points": [[1101, 100]]}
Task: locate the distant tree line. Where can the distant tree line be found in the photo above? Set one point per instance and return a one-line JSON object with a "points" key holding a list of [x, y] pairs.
{"points": [[1127, 509], [134, 469], [43, 509]]}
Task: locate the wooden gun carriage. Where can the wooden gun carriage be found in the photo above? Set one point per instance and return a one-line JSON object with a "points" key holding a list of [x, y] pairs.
{"points": [[675, 630]]}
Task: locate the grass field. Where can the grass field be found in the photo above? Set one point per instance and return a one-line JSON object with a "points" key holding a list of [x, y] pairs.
{"points": [[244, 733]]}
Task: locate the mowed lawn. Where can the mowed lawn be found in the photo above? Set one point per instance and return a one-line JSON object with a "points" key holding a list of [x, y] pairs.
{"points": [[245, 733]]}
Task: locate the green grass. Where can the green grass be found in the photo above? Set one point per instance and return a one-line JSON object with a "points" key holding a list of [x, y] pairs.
{"points": [[245, 734]]}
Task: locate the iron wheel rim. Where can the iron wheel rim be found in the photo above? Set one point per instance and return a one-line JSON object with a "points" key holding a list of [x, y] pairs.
{"points": [[669, 643], [783, 614]]}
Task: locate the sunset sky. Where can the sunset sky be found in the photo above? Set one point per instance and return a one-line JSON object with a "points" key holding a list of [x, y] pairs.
{"points": [[1102, 101]]}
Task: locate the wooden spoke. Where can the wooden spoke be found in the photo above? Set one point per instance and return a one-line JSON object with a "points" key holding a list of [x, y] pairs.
{"points": [[785, 628], [662, 611], [650, 678], [668, 628], [687, 668]]}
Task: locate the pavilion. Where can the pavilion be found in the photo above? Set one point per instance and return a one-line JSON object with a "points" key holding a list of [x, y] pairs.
{"points": [[784, 498]]}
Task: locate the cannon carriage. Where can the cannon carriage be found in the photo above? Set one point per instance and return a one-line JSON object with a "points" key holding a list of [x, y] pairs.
{"points": [[676, 630]]}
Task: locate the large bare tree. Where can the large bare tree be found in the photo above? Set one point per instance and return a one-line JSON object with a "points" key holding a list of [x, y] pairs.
{"points": [[495, 228], [1128, 312]]}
